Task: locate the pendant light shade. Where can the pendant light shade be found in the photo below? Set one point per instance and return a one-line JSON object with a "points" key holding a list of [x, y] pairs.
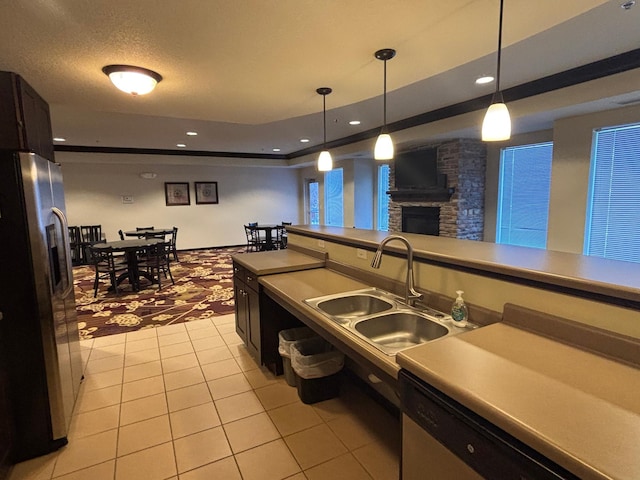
{"points": [[325, 162], [497, 121], [132, 80], [384, 145]]}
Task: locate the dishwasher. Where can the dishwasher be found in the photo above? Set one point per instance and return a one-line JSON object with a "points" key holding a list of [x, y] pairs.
{"points": [[443, 440]]}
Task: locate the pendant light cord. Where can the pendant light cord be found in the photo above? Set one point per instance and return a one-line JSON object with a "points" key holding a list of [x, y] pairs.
{"points": [[324, 120], [384, 99], [499, 47]]}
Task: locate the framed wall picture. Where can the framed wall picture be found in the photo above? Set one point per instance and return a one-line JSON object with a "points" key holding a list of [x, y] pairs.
{"points": [[177, 194], [206, 192]]}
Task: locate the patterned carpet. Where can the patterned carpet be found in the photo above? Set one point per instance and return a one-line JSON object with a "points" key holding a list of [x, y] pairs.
{"points": [[203, 288]]}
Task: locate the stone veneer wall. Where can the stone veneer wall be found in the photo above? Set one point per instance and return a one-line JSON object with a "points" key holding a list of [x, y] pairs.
{"points": [[464, 162]]}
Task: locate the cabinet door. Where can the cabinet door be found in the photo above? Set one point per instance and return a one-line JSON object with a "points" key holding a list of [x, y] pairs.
{"points": [[253, 334], [240, 297], [36, 122], [24, 121]]}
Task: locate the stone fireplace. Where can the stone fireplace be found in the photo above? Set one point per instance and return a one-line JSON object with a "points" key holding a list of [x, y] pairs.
{"points": [[460, 215]]}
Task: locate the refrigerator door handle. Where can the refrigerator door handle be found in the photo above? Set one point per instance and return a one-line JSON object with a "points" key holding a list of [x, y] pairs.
{"points": [[67, 252]]}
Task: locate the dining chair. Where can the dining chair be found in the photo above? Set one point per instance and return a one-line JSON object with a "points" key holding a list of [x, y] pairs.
{"points": [[174, 251], [106, 266], [155, 261], [279, 241], [284, 234], [90, 235], [121, 233], [254, 241], [75, 245]]}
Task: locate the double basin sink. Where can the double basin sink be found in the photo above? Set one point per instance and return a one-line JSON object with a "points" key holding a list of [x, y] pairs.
{"points": [[382, 319]]}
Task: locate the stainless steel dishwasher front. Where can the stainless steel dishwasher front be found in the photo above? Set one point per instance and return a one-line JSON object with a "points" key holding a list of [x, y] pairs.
{"points": [[443, 440]]}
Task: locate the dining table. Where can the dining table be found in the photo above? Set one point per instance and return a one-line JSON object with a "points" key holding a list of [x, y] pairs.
{"points": [[149, 232], [268, 229], [131, 248]]}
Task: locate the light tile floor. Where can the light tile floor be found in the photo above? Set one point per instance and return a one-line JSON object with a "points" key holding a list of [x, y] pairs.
{"points": [[187, 402]]}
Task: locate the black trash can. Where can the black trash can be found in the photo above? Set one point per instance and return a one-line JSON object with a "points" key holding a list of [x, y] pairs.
{"points": [[317, 366], [286, 338]]}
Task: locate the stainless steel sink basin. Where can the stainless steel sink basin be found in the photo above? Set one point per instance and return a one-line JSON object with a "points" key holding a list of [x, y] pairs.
{"points": [[396, 331], [354, 306], [382, 320]]}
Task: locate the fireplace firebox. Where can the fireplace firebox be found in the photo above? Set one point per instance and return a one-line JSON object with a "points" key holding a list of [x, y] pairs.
{"points": [[424, 220]]}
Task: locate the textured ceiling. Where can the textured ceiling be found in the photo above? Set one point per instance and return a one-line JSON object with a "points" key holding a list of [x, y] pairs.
{"points": [[244, 73]]}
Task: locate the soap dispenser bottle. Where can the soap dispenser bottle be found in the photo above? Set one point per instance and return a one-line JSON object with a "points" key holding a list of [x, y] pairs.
{"points": [[459, 312]]}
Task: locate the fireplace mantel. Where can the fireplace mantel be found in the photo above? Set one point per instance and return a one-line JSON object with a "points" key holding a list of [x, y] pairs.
{"points": [[421, 195]]}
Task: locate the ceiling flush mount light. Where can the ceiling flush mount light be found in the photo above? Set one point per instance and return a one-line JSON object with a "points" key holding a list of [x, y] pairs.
{"points": [[384, 145], [325, 162], [132, 80], [497, 122]]}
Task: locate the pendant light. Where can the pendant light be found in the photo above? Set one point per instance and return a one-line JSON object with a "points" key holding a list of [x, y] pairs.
{"points": [[132, 80], [325, 162], [384, 145], [497, 122]]}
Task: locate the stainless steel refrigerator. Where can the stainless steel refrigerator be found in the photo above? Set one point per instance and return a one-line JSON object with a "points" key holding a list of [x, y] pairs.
{"points": [[39, 329]]}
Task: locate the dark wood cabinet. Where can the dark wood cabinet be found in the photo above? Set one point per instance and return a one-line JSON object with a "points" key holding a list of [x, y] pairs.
{"points": [[25, 124], [259, 319], [247, 309]]}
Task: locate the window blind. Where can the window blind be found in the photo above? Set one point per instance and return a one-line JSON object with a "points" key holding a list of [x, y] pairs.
{"points": [[333, 211], [314, 204], [383, 198], [613, 211], [523, 196]]}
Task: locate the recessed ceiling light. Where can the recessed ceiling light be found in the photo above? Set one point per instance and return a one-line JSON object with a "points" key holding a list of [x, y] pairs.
{"points": [[192, 134], [304, 140], [276, 149], [59, 139], [181, 145], [354, 122], [484, 80]]}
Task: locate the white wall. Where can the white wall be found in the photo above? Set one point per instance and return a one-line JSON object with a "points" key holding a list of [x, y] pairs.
{"points": [[94, 186], [364, 179]]}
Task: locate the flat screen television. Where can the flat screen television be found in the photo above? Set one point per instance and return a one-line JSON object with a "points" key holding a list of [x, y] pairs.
{"points": [[418, 170]]}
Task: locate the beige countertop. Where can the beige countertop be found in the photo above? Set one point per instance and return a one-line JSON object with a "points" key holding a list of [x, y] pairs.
{"points": [[591, 274], [295, 287], [277, 261], [578, 409]]}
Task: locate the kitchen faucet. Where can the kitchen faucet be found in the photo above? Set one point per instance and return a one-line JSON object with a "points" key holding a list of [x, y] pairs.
{"points": [[410, 294]]}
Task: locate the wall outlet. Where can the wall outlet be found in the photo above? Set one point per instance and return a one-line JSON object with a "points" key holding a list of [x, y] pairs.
{"points": [[321, 243], [361, 253]]}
